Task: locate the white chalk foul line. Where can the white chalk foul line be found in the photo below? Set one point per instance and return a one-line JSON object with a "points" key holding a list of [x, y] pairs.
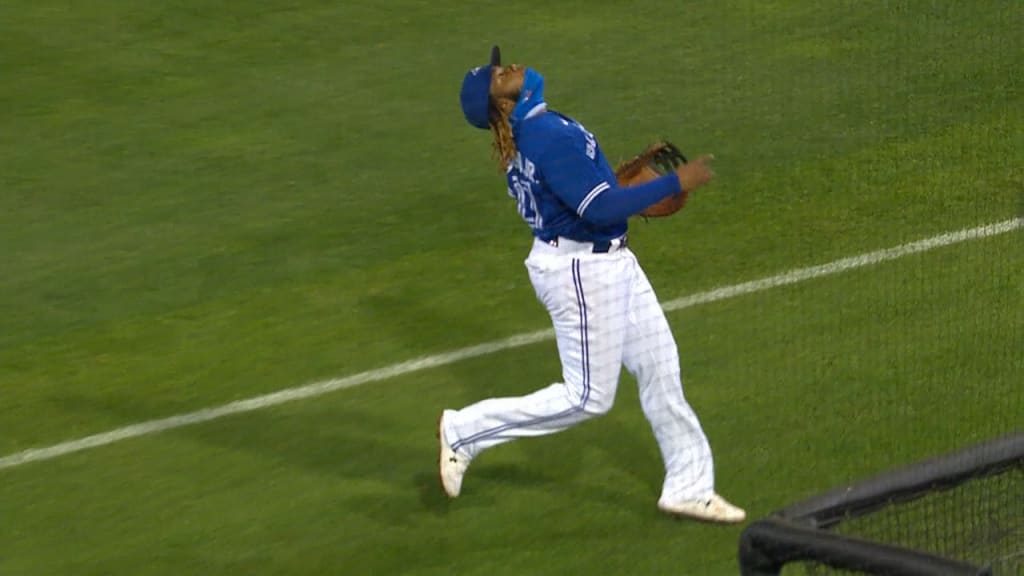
{"points": [[416, 365], [844, 264]]}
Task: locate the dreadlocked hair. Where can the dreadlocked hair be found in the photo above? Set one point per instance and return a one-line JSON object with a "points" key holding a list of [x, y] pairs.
{"points": [[504, 144]]}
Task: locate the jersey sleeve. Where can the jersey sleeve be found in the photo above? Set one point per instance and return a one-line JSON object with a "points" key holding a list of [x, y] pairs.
{"points": [[573, 170], [577, 174]]}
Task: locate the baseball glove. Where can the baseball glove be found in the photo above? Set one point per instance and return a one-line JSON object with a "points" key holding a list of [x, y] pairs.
{"points": [[657, 160]]}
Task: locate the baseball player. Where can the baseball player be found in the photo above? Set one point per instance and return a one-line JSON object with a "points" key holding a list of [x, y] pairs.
{"points": [[604, 311]]}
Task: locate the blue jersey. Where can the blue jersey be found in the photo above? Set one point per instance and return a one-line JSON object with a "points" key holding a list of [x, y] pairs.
{"points": [[558, 171]]}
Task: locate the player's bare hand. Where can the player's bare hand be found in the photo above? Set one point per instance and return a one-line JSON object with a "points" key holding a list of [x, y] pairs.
{"points": [[695, 173]]}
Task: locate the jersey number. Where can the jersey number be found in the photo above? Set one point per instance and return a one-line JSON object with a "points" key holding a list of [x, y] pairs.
{"points": [[523, 195]]}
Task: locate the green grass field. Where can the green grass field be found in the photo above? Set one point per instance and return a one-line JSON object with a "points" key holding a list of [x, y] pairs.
{"points": [[203, 202]]}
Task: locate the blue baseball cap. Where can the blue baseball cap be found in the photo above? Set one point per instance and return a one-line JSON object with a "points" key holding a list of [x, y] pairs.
{"points": [[476, 92]]}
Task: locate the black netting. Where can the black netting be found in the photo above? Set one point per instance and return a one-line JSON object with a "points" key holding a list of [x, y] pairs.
{"points": [[980, 522]]}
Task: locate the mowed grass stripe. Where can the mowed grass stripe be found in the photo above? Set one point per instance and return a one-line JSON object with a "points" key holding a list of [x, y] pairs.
{"points": [[419, 364]]}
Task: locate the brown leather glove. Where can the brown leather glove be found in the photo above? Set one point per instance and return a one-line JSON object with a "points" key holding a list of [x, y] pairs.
{"points": [[657, 160]]}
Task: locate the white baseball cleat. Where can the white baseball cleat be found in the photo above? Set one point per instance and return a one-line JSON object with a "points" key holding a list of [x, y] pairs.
{"points": [[713, 509], [452, 465]]}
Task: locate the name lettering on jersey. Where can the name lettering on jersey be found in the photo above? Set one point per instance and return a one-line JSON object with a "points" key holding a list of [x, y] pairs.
{"points": [[591, 141]]}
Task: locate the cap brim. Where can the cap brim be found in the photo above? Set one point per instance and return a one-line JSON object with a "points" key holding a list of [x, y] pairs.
{"points": [[495, 56]]}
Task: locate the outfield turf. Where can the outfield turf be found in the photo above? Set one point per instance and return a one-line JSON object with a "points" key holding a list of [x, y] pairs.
{"points": [[202, 202]]}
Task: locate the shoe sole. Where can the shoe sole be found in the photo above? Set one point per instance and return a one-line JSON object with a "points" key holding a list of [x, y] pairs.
{"points": [[440, 456], [440, 453], [702, 519]]}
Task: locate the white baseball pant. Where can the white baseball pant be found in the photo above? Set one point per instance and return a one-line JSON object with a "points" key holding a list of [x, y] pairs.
{"points": [[605, 315]]}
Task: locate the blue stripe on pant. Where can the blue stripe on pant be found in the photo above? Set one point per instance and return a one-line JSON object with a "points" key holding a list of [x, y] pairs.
{"points": [[581, 302]]}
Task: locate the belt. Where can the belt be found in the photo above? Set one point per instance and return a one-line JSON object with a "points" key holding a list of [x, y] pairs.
{"points": [[600, 246]]}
